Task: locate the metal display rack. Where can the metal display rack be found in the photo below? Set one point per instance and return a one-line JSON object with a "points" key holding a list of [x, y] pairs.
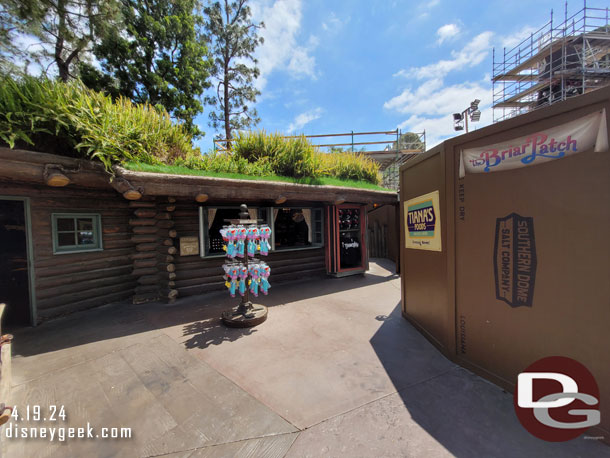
{"points": [[246, 314], [557, 61]]}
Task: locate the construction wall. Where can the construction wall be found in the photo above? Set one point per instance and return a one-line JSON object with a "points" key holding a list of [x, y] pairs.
{"points": [[452, 295], [383, 232]]}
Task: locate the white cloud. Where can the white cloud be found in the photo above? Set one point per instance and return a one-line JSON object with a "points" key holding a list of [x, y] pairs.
{"points": [[447, 32], [430, 107], [281, 50], [510, 41], [470, 55], [333, 23], [305, 118]]}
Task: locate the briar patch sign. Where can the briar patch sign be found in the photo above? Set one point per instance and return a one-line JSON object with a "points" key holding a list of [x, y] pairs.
{"points": [[515, 260], [423, 222]]}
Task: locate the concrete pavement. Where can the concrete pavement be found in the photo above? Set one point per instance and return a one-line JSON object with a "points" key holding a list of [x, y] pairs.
{"points": [[334, 371]]}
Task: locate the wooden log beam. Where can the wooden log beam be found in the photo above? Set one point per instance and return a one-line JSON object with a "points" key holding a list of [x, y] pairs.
{"points": [[29, 167], [144, 229], [165, 258], [55, 178], [148, 280], [167, 242], [249, 190], [140, 272], [143, 255], [201, 198], [145, 212], [168, 250], [146, 246], [132, 194], [142, 204], [164, 215], [167, 224], [142, 222], [143, 238], [149, 262]]}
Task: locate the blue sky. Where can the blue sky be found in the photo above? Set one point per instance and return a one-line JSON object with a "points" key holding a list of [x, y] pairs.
{"points": [[367, 65]]}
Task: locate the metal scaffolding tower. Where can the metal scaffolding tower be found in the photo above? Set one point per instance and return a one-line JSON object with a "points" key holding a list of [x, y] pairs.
{"points": [[558, 61]]}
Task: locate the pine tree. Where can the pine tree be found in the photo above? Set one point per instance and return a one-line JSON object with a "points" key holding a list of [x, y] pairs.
{"points": [[160, 57], [65, 29], [234, 38]]}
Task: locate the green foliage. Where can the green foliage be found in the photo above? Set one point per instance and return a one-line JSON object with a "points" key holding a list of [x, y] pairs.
{"points": [[234, 38], [87, 124], [158, 57], [292, 157], [64, 29], [297, 157], [183, 170]]}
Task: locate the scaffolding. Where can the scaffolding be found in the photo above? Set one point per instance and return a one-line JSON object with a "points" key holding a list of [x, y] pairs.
{"points": [[399, 148], [557, 61]]}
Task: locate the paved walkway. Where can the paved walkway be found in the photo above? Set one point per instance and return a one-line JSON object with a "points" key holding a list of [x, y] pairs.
{"points": [[335, 371]]}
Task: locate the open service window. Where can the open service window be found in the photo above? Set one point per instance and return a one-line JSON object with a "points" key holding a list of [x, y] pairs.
{"points": [[292, 228]]}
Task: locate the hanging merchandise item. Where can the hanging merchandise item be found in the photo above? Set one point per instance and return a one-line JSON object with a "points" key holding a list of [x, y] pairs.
{"points": [[252, 235], [241, 241], [254, 279], [264, 271], [243, 276], [232, 274], [232, 238], [224, 232], [265, 235]]}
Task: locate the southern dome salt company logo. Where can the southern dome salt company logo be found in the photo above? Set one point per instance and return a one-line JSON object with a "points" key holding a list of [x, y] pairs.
{"points": [[557, 399]]}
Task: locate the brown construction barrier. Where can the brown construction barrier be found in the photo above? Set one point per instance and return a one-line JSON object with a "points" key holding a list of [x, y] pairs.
{"points": [[524, 269]]}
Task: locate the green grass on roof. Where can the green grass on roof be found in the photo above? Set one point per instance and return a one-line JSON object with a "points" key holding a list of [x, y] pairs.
{"points": [[180, 170]]}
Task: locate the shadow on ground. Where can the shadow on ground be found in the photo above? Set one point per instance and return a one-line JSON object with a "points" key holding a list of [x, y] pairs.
{"points": [[199, 315], [467, 415]]}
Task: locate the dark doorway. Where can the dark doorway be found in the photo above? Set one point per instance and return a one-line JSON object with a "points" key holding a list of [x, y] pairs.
{"points": [[14, 278]]}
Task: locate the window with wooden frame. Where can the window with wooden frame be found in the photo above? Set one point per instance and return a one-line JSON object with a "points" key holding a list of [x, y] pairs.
{"points": [[76, 232], [297, 228]]}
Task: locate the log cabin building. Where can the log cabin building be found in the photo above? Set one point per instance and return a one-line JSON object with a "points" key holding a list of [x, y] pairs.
{"points": [[74, 237]]}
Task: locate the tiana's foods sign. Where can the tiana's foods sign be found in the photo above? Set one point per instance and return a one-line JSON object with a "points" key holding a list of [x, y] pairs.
{"points": [[584, 134]]}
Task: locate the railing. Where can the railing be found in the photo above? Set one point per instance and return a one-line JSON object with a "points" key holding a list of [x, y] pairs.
{"points": [[557, 61], [398, 148]]}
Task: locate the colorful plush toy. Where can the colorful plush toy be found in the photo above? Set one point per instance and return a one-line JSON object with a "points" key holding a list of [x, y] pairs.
{"points": [[265, 234], [233, 274], [264, 271], [243, 276], [241, 241], [232, 238], [254, 280], [252, 235]]}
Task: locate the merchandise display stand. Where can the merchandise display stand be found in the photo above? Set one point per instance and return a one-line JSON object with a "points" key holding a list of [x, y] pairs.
{"points": [[246, 314]]}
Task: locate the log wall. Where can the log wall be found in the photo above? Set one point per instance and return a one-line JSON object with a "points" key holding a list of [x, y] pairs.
{"points": [[74, 281], [140, 260], [195, 275]]}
